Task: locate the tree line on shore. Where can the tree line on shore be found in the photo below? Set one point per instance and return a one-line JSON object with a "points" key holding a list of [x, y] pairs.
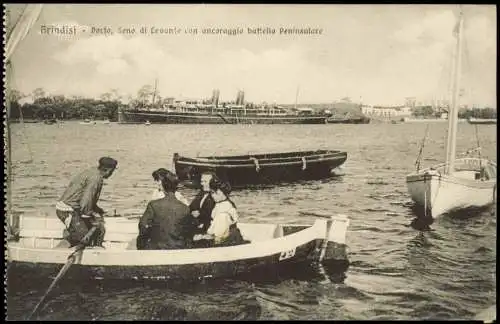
{"points": [[428, 111], [48, 106]]}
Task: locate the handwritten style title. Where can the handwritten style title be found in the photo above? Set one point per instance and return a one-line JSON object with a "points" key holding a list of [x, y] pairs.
{"points": [[155, 30]]}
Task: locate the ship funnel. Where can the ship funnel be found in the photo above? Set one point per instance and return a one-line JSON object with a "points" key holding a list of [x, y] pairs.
{"points": [[240, 97], [215, 97]]}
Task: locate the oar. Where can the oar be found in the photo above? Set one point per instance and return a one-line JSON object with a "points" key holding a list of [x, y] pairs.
{"points": [[71, 259]]}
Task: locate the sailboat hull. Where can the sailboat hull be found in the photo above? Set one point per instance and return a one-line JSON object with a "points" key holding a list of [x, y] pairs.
{"points": [[439, 194]]}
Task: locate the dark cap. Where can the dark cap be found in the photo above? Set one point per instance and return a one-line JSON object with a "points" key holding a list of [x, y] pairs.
{"points": [[107, 163]]}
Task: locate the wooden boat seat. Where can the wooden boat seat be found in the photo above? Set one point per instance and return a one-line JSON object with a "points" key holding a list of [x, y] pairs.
{"points": [[47, 232], [260, 232]]}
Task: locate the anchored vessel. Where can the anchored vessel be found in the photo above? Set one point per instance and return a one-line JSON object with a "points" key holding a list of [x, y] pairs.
{"points": [[213, 112], [230, 114], [482, 121], [267, 168], [348, 120]]}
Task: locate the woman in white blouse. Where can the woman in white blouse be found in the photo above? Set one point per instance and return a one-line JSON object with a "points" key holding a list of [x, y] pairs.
{"points": [[223, 230]]}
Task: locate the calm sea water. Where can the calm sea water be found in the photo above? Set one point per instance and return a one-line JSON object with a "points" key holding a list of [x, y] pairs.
{"points": [[396, 272]]}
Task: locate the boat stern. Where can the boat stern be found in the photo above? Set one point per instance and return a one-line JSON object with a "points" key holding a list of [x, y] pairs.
{"points": [[333, 253]]}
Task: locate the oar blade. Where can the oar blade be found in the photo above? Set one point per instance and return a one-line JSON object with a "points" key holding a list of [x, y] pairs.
{"points": [[62, 272], [71, 259]]}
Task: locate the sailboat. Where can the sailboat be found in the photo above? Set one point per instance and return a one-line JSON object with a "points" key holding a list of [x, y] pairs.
{"points": [[458, 183]]}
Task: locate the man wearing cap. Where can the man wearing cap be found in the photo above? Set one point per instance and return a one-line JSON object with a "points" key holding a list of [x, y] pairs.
{"points": [[77, 208]]}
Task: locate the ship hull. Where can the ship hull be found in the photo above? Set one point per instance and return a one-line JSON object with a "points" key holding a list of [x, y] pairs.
{"points": [[140, 117], [361, 120], [482, 121]]}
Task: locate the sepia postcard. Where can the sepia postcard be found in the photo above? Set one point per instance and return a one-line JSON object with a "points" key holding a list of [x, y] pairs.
{"points": [[250, 162]]}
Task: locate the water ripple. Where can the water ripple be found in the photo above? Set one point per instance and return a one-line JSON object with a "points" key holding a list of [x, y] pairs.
{"points": [[396, 273]]}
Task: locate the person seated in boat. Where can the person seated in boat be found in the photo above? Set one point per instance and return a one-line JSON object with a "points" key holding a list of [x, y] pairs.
{"points": [[202, 204], [77, 208], [223, 230], [166, 223], [158, 192]]}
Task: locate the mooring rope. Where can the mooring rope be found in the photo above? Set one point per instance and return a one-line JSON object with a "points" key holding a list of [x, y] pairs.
{"points": [[256, 162], [419, 157], [425, 200], [479, 151]]}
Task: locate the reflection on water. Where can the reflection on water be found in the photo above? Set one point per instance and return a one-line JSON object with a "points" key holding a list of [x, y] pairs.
{"points": [[396, 272]]}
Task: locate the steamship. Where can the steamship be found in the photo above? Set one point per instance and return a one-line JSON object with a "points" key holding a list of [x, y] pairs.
{"points": [[211, 111]]}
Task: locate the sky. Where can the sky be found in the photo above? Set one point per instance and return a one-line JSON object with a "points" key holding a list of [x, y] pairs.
{"points": [[376, 54]]}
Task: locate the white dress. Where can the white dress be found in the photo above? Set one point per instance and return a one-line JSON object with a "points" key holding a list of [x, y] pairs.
{"points": [[223, 216]]}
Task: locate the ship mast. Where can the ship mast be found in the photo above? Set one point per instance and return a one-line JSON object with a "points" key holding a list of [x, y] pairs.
{"points": [[296, 96], [154, 92], [455, 105]]}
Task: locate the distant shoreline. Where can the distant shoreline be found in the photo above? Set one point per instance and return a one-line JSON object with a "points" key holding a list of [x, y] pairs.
{"points": [[35, 121]]}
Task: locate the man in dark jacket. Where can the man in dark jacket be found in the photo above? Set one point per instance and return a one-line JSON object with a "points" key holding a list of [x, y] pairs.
{"points": [[166, 221], [202, 204]]}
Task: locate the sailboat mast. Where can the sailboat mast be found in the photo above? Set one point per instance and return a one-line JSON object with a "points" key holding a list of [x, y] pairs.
{"points": [[11, 221], [455, 105], [16, 33]]}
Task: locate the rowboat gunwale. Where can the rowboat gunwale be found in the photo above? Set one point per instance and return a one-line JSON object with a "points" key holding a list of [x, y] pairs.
{"points": [[179, 257], [275, 154], [287, 159], [302, 234], [300, 244], [261, 164], [264, 157]]}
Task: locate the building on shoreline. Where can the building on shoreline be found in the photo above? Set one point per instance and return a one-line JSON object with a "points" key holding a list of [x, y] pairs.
{"points": [[380, 111]]}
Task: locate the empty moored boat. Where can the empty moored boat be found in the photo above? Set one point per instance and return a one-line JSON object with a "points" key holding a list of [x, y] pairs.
{"points": [[40, 250], [268, 168], [482, 121]]}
